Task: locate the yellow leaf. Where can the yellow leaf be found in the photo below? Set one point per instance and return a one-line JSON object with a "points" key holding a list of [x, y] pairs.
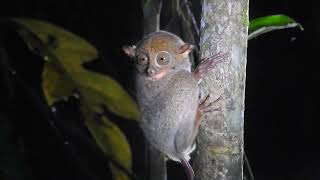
{"points": [[112, 141], [68, 52], [107, 92], [57, 38], [55, 84], [64, 74]]}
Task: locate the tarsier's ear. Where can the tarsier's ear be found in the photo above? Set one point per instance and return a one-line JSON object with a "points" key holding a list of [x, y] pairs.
{"points": [[185, 49], [130, 51]]}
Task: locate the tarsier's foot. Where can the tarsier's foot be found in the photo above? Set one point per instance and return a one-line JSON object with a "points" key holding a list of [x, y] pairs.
{"points": [[204, 107]]}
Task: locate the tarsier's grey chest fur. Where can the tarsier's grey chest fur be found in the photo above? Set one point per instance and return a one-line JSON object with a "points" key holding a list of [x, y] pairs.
{"points": [[168, 107]]}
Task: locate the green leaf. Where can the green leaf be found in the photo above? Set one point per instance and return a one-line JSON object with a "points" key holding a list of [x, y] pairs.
{"points": [[64, 74], [266, 24]]}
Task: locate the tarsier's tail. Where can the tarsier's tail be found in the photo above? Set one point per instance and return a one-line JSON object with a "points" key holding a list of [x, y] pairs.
{"points": [[187, 167]]}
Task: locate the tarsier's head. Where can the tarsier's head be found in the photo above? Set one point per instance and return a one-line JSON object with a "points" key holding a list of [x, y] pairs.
{"points": [[158, 54]]}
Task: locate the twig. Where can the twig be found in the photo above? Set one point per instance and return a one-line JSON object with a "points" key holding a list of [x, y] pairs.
{"points": [[191, 16], [188, 20], [247, 164]]}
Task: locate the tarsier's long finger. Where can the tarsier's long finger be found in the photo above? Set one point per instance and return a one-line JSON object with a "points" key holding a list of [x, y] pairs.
{"points": [[208, 108], [211, 57], [205, 100], [212, 110], [208, 64]]}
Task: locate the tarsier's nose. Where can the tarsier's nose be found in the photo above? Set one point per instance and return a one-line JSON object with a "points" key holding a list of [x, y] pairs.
{"points": [[151, 71]]}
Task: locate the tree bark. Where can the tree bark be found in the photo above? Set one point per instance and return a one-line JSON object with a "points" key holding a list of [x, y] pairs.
{"points": [[219, 153]]}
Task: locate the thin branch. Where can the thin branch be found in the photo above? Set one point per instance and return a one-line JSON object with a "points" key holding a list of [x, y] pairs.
{"points": [[247, 164], [188, 21], [189, 32], [191, 16]]}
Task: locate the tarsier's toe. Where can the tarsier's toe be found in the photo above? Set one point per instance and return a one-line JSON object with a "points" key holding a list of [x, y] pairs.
{"points": [[209, 107]]}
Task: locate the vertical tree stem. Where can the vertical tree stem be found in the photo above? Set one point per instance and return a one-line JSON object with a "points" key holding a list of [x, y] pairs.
{"points": [[219, 154], [155, 161], [151, 15], [156, 164]]}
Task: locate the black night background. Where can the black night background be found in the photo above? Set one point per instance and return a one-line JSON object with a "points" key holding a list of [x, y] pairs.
{"points": [[281, 120]]}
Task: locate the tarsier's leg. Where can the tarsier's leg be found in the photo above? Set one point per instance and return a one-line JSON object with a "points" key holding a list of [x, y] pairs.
{"points": [[184, 138], [182, 142]]}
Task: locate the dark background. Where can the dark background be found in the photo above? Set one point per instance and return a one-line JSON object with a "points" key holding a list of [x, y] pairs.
{"points": [[281, 132]]}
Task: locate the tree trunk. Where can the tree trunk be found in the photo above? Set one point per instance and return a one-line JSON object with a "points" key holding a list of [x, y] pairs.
{"points": [[156, 164], [155, 161], [151, 15], [219, 153]]}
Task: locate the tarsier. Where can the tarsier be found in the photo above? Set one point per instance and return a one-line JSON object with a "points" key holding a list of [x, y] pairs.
{"points": [[168, 95]]}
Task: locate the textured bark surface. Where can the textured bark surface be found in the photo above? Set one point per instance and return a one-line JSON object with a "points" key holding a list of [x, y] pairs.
{"points": [[219, 150]]}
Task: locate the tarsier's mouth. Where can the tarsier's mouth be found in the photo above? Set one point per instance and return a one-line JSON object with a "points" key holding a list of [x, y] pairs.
{"points": [[158, 76]]}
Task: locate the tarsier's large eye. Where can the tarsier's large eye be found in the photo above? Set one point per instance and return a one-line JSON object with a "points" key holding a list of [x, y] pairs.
{"points": [[142, 59], [163, 58]]}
